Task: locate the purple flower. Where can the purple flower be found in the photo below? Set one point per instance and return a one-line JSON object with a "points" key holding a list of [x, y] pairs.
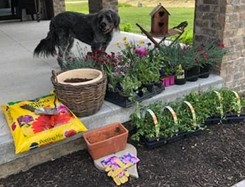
{"points": [[141, 51], [24, 119], [62, 108]]}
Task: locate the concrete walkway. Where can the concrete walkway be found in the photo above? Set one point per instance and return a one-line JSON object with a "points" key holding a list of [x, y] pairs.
{"points": [[24, 77]]}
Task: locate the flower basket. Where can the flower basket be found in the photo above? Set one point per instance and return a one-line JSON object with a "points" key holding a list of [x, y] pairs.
{"points": [[159, 141], [178, 132], [106, 140], [224, 117], [81, 90]]}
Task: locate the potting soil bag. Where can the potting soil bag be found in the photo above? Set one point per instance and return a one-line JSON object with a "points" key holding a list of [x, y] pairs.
{"points": [[34, 123]]}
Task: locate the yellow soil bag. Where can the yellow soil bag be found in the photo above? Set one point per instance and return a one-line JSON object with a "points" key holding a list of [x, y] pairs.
{"points": [[32, 127]]}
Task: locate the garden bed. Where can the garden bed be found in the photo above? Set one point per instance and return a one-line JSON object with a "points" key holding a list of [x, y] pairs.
{"points": [[214, 158], [154, 143], [229, 119]]}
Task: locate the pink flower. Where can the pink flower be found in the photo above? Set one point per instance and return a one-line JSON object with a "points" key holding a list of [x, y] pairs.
{"points": [[205, 55], [199, 49], [221, 45], [141, 51]]}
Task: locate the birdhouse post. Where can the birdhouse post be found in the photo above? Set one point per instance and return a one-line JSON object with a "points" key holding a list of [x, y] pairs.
{"points": [[159, 20]]}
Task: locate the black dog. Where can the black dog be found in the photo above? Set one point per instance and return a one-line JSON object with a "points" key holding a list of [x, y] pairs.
{"points": [[95, 30]]}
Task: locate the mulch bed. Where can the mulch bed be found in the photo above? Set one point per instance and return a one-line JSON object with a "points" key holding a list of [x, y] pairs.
{"points": [[213, 158]]}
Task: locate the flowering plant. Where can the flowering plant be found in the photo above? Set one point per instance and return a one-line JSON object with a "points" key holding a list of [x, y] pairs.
{"points": [[136, 68], [210, 52], [127, 71], [142, 60], [204, 53], [199, 54]]}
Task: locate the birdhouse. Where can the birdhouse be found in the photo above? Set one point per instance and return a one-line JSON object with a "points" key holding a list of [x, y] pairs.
{"points": [[159, 20]]}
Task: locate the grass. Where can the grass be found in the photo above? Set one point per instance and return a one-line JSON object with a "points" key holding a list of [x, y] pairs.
{"points": [[130, 15], [77, 7]]}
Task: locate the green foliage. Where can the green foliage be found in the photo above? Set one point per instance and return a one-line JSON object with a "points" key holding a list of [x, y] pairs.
{"points": [[147, 71], [143, 121], [137, 66], [187, 37], [186, 117], [199, 105], [77, 7], [231, 103], [205, 104], [129, 85], [120, 5], [209, 52], [127, 71], [127, 27], [243, 103], [169, 57], [188, 56]]}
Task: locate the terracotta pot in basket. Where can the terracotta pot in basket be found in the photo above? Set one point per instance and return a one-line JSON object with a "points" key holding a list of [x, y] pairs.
{"points": [[81, 90]]}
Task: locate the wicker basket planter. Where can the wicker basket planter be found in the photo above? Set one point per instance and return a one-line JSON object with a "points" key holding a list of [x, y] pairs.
{"points": [[81, 90], [106, 140]]}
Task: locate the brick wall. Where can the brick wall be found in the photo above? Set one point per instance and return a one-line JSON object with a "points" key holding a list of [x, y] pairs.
{"points": [[224, 20], [58, 6], [96, 5]]}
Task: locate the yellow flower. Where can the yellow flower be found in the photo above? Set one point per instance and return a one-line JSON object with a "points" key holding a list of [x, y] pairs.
{"points": [[117, 44], [126, 44], [141, 42], [124, 38]]}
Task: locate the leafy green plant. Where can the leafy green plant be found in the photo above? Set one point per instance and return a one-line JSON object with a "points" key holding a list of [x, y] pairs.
{"points": [[199, 105], [243, 103], [169, 123], [168, 127], [207, 104], [126, 27], [209, 52], [130, 87], [178, 54], [146, 71], [143, 122], [137, 65], [187, 37], [170, 55], [212, 103], [193, 55], [187, 117], [231, 101]]}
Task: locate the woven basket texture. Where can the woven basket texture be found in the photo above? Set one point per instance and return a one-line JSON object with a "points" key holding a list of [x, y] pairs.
{"points": [[82, 100]]}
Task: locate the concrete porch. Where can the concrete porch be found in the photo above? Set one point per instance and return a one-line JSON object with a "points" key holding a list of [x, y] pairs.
{"points": [[24, 77]]}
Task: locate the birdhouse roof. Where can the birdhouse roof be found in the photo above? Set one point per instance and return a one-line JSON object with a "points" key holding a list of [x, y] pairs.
{"points": [[157, 8]]}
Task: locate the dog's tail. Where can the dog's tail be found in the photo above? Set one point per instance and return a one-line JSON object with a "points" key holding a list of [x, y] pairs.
{"points": [[46, 47]]}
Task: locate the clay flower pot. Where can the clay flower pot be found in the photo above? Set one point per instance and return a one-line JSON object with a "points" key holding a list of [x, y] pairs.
{"points": [[106, 140]]}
